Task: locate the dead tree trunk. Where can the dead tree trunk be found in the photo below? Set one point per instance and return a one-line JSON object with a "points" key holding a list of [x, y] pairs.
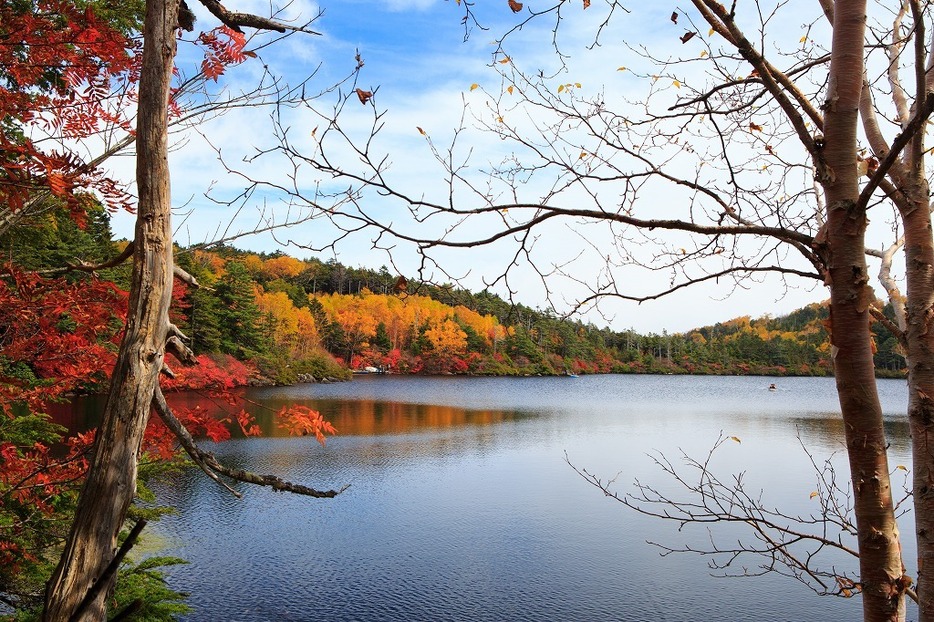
{"points": [[111, 480], [881, 568]]}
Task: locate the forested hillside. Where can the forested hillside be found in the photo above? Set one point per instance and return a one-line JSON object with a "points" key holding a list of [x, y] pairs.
{"points": [[288, 319]]}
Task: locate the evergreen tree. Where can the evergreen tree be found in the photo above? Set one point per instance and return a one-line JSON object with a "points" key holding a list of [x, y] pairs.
{"points": [[381, 340], [239, 318]]}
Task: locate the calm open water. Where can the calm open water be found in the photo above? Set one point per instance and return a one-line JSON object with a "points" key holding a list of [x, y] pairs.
{"points": [[461, 506]]}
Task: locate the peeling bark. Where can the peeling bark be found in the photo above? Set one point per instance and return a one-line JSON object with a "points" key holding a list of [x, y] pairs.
{"points": [[919, 272], [881, 569]]}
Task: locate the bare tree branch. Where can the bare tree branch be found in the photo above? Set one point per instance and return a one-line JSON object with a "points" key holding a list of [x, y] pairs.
{"points": [[210, 465]]}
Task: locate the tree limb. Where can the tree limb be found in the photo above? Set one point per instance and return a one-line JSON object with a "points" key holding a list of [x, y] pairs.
{"points": [[83, 266], [234, 20], [210, 465]]}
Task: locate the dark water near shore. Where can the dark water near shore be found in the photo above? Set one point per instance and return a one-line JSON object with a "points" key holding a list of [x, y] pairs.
{"points": [[461, 505]]}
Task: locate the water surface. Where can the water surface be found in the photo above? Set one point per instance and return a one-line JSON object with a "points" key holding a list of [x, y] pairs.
{"points": [[461, 505]]}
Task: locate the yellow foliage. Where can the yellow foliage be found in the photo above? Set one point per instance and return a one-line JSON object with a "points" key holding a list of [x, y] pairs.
{"points": [[293, 328], [253, 264], [446, 337], [283, 267], [405, 318]]}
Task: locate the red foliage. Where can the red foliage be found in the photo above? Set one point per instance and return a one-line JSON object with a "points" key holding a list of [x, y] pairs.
{"points": [[56, 336], [302, 421], [223, 46], [391, 360], [32, 480], [59, 66], [200, 422], [181, 304], [216, 372]]}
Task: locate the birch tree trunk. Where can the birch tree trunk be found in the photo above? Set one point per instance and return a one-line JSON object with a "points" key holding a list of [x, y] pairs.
{"points": [[919, 256], [111, 480], [881, 567]]}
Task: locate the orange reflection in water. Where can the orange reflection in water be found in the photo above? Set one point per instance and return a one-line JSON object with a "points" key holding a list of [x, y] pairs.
{"points": [[350, 417], [373, 418]]}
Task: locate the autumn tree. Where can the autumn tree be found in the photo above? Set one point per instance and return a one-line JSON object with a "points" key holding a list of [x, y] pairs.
{"points": [[66, 71], [734, 149], [78, 589]]}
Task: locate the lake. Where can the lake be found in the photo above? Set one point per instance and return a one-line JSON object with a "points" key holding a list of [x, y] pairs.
{"points": [[462, 507]]}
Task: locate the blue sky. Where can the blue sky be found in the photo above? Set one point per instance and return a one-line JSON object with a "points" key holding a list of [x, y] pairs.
{"points": [[416, 55]]}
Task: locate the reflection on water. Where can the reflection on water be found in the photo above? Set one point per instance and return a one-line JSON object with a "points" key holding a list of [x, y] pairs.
{"points": [[461, 506], [371, 417]]}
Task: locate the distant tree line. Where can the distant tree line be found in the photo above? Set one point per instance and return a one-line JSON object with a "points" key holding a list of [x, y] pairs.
{"points": [[301, 319]]}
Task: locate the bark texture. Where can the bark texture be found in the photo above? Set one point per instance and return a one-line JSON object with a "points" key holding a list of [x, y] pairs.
{"points": [[919, 273], [881, 570], [111, 480]]}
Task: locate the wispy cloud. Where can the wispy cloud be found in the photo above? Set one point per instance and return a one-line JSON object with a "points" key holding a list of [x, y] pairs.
{"points": [[421, 68]]}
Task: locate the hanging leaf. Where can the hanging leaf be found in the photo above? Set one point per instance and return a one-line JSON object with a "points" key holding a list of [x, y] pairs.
{"points": [[586, 4], [754, 127], [515, 6], [505, 61], [560, 87], [687, 36], [813, 494], [474, 86], [674, 17], [735, 438], [710, 32], [902, 467], [621, 69], [420, 131], [677, 84], [703, 53], [57, 184], [302, 421], [364, 96], [509, 89]]}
